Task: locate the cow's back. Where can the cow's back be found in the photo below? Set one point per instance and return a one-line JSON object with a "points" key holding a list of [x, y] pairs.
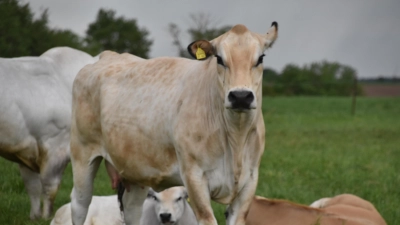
{"points": [[35, 101], [281, 212]]}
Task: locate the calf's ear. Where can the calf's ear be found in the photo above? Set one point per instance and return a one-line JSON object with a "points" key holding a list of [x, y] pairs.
{"points": [[201, 50], [151, 193]]}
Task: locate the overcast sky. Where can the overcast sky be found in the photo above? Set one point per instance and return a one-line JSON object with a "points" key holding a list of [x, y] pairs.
{"points": [[362, 33]]}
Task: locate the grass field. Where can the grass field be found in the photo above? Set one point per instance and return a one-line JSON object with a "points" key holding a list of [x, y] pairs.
{"points": [[314, 149]]}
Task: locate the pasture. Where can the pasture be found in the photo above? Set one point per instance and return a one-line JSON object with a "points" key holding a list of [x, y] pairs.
{"points": [[314, 149]]}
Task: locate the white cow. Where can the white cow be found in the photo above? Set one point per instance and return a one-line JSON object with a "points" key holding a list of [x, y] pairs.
{"points": [[170, 121], [167, 207], [35, 117]]}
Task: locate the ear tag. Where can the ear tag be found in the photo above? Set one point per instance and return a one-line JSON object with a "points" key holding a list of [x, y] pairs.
{"points": [[188, 200], [200, 54]]}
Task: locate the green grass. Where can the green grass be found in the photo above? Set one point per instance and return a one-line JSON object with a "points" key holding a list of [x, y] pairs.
{"points": [[314, 149]]}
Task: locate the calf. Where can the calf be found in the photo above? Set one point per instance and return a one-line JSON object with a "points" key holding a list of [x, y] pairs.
{"points": [[343, 209], [35, 119], [167, 207], [103, 210]]}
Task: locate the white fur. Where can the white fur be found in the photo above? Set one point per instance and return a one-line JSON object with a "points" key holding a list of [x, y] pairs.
{"points": [[103, 210], [35, 118]]}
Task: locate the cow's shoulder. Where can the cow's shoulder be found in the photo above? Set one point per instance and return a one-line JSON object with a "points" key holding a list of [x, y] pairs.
{"points": [[62, 54], [24, 68]]}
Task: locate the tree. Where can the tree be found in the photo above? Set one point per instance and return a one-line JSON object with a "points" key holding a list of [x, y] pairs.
{"points": [[118, 34], [22, 35], [203, 28]]}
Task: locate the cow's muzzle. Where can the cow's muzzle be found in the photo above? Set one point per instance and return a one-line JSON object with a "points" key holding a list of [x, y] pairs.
{"points": [[241, 99]]}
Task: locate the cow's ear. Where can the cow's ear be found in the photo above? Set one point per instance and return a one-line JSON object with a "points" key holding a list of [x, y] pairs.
{"points": [[201, 49], [271, 35]]}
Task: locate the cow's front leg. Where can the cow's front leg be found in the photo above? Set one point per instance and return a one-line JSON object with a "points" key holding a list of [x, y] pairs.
{"points": [[199, 194], [238, 209], [133, 200]]}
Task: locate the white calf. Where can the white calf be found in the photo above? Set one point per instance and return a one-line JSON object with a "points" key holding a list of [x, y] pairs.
{"points": [[167, 207], [103, 210]]}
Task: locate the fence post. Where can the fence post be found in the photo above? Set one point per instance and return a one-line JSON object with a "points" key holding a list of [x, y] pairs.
{"points": [[354, 96]]}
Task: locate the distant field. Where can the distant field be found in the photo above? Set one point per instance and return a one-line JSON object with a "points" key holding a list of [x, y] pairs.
{"points": [[381, 90], [314, 149]]}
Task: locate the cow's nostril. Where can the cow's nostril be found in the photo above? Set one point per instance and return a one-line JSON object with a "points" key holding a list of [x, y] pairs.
{"points": [[231, 96], [165, 217], [241, 99]]}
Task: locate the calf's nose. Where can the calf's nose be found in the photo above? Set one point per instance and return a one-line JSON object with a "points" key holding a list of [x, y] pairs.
{"points": [[165, 217], [241, 99]]}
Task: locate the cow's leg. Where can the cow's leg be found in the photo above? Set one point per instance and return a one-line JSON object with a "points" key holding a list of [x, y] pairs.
{"points": [[238, 209], [198, 191], [55, 151], [133, 202], [50, 176], [84, 171], [34, 188]]}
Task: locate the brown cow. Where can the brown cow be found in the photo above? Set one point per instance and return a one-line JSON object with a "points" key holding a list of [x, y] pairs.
{"points": [[345, 209], [172, 121]]}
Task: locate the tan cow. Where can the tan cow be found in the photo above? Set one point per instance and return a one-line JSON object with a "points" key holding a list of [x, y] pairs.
{"points": [[343, 209], [170, 121]]}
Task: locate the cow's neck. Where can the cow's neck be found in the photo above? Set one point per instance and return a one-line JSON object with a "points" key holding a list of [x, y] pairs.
{"points": [[235, 126]]}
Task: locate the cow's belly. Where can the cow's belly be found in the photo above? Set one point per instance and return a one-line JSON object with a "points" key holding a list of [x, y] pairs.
{"points": [[142, 159]]}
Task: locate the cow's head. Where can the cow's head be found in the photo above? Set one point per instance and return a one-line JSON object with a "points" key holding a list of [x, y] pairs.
{"points": [[169, 204], [238, 55]]}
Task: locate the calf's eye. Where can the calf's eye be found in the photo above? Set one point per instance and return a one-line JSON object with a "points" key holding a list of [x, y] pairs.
{"points": [[178, 199]]}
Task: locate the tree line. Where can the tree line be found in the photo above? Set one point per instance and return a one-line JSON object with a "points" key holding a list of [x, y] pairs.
{"points": [[317, 78], [21, 34]]}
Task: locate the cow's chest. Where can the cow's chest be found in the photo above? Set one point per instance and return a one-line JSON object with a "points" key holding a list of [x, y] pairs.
{"points": [[226, 181]]}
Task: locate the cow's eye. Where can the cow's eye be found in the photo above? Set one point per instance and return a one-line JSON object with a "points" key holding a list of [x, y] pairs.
{"points": [[219, 60], [178, 199], [155, 198], [260, 60]]}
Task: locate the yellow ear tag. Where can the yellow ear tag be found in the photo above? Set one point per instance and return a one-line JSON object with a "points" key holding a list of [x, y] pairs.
{"points": [[188, 200], [200, 54]]}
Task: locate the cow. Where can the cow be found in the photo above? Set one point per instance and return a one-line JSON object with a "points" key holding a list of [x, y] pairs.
{"points": [[171, 121], [167, 207], [342, 209], [35, 118]]}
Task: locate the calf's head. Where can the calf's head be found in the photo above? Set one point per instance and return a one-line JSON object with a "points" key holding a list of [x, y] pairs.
{"points": [[169, 204], [238, 56]]}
